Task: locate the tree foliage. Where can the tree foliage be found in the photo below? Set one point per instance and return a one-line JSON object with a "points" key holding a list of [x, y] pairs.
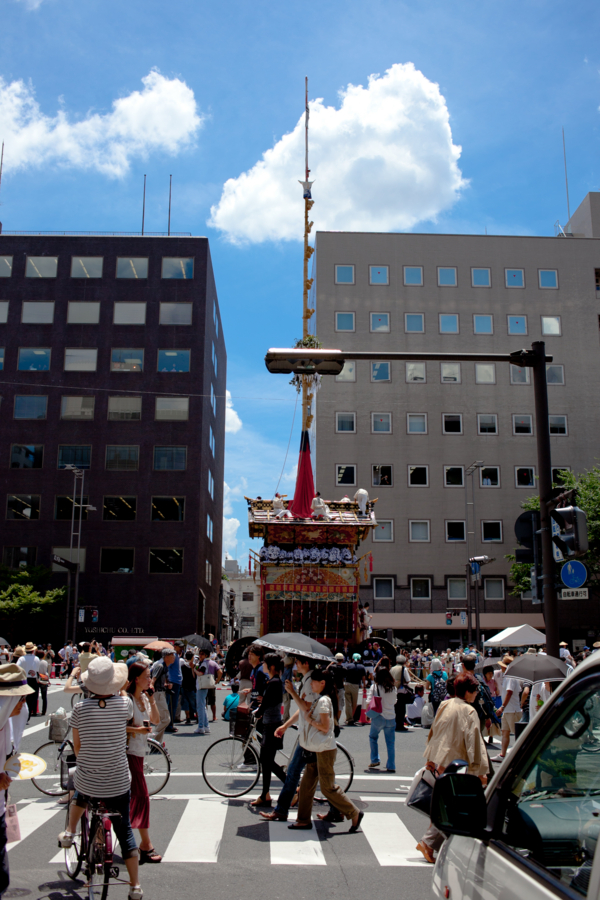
{"points": [[27, 613]]}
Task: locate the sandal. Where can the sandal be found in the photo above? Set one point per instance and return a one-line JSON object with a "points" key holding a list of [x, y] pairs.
{"points": [[296, 827], [149, 856], [331, 816], [260, 801], [354, 828], [274, 816]]}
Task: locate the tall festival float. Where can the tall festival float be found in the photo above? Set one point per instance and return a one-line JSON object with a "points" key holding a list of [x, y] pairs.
{"points": [[309, 566]]}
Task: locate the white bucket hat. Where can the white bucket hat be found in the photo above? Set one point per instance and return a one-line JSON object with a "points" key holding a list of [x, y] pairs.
{"points": [[105, 677]]}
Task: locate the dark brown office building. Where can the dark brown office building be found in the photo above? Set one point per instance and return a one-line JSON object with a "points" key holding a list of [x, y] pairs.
{"points": [[113, 361]]}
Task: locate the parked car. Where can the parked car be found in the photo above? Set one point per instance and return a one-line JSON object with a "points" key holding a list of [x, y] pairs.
{"points": [[532, 833]]}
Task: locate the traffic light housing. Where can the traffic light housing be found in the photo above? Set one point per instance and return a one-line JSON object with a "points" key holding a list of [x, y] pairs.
{"points": [[573, 537], [448, 617]]}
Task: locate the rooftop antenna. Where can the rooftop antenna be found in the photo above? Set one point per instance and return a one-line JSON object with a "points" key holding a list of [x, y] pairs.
{"points": [[170, 184], [566, 176], [307, 283], [144, 206]]}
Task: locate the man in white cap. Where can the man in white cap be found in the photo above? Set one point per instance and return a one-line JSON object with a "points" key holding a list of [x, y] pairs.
{"points": [[31, 666]]}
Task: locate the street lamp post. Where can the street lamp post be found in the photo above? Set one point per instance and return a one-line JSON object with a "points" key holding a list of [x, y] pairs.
{"points": [[78, 475], [474, 467]]}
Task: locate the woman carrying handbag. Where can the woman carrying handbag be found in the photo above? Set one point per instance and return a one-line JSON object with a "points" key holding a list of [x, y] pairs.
{"points": [[381, 710]]}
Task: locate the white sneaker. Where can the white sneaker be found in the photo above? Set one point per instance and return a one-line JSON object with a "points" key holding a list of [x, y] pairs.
{"points": [[135, 893], [65, 839]]}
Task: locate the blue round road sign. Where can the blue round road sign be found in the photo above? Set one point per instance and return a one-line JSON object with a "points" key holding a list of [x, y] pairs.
{"points": [[573, 574]]}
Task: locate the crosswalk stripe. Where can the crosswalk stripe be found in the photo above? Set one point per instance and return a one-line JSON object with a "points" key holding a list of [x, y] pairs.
{"points": [[32, 817], [379, 799], [198, 835], [390, 840], [294, 848]]}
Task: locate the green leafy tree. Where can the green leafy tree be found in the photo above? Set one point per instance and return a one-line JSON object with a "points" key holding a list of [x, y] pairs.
{"points": [[26, 613], [36, 576]]}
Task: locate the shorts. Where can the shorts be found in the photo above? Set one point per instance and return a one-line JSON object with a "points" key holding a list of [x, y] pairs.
{"points": [[211, 697], [509, 720]]}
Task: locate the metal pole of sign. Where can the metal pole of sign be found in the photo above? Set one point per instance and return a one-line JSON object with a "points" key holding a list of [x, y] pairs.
{"points": [[76, 596], [73, 504], [469, 627]]}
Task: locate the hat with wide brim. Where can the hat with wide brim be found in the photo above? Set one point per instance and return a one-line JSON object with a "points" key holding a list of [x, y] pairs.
{"points": [[30, 647], [339, 655], [13, 682], [104, 677], [563, 644], [505, 663]]}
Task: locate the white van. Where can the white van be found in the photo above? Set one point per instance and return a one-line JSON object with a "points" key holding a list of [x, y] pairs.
{"points": [[532, 833]]}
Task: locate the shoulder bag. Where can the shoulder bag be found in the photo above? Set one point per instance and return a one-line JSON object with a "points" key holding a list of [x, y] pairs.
{"points": [[421, 791], [375, 701], [316, 740]]}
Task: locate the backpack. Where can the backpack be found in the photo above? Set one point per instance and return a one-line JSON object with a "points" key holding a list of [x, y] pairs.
{"points": [[438, 689]]}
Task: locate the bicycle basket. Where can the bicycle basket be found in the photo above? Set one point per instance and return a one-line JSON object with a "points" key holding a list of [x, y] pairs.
{"points": [[67, 771], [242, 722], [59, 727]]}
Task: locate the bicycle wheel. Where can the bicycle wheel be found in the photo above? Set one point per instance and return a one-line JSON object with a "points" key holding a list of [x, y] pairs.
{"points": [[49, 783], [98, 870], [230, 768], [343, 768], [157, 766], [75, 853]]}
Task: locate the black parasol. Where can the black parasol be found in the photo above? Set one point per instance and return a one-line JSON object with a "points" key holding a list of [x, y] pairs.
{"points": [[296, 644], [196, 640], [537, 668]]}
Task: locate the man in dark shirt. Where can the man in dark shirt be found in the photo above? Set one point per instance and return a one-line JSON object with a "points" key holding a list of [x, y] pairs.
{"points": [[355, 678], [188, 688]]}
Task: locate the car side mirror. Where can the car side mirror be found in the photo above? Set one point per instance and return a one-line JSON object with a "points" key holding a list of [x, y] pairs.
{"points": [[458, 805]]}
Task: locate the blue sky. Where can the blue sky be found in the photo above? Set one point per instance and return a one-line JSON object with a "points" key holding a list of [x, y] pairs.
{"points": [[224, 83]]}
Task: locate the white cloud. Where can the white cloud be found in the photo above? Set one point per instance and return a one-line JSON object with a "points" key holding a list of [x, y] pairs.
{"points": [[32, 4], [231, 494], [230, 527], [233, 423], [163, 116], [383, 161]]}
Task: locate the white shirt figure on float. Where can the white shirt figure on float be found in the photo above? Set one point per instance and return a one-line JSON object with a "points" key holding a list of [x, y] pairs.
{"points": [[319, 507], [279, 509], [362, 498]]}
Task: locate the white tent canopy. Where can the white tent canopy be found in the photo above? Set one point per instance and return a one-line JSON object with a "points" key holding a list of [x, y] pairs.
{"points": [[517, 636]]}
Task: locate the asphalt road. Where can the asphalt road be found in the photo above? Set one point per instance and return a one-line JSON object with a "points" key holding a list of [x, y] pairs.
{"points": [[236, 853]]}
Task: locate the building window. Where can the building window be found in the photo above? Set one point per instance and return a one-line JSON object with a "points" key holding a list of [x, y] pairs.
{"points": [[457, 588], [418, 531], [420, 588], [168, 509], [344, 274], [548, 278], [172, 409], [345, 422], [3, 312], [208, 574], [557, 424], [455, 531], [80, 359], [517, 324], [214, 358], [117, 560], [382, 476], [216, 319], [126, 360], [451, 423], [83, 313], [63, 509], [487, 423], [172, 459], [211, 440], [166, 561], [559, 473], [519, 375], [19, 557], [551, 326], [209, 527], [522, 424], [446, 276], [119, 509], [132, 267], [381, 423], [416, 423], [129, 314], [175, 314], [415, 372], [380, 323], [41, 267], [414, 323], [383, 588], [177, 267], [6, 263], [124, 409], [248, 597], [345, 474], [26, 456], [24, 507], [1, 359], [86, 266], [79, 455], [211, 485], [493, 588], [37, 313], [413, 275], [348, 372], [448, 323], [524, 476], [454, 476], [481, 278], [173, 360], [384, 532], [483, 324], [514, 278], [344, 321], [450, 373], [379, 275], [489, 476], [77, 407], [122, 457], [555, 374], [28, 406], [491, 531], [485, 373], [381, 371], [213, 400], [34, 359], [418, 476]]}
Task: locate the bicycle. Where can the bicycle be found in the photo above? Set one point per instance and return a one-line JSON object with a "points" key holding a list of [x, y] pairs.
{"points": [[231, 765], [93, 846]]}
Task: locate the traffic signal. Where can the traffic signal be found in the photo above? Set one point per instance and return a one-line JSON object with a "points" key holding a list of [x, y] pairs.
{"points": [[573, 537], [526, 528], [448, 617]]}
